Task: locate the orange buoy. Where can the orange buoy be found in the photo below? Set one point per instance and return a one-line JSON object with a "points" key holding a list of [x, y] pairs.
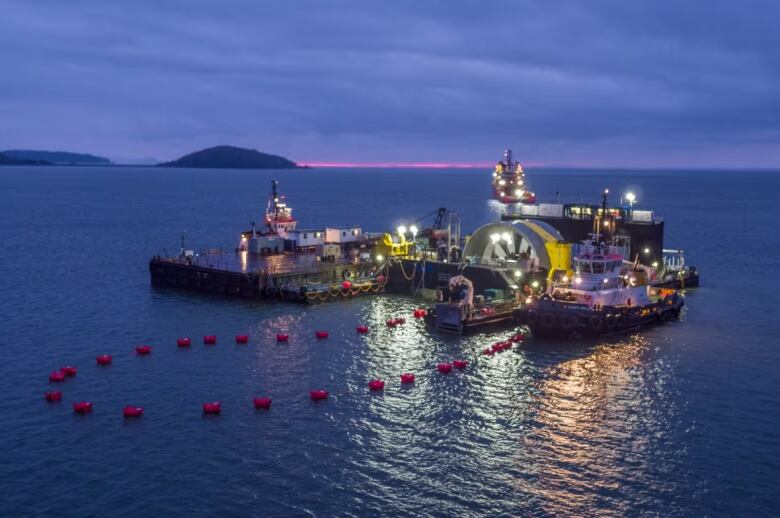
{"points": [[376, 385], [82, 407], [488, 351], [407, 377], [143, 350], [262, 403], [321, 334], [361, 329], [444, 368], [54, 395], [281, 337], [210, 339], [104, 359], [68, 371], [183, 342], [318, 395], [460, 364], [212, 408], [56, 376], [242, 339], [132, 411]]}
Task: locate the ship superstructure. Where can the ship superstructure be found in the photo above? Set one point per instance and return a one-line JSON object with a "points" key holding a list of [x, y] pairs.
{"points": [[509, 181]]}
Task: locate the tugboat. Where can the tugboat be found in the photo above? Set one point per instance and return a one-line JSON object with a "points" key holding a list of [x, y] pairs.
{"points": [[604, 296], [509, 181]]}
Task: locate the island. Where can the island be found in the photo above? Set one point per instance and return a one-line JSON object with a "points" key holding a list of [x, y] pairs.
{"points": [[231, 157], [55, 157], [9, 160]]}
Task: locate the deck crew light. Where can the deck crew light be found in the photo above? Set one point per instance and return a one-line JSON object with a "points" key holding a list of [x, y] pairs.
{"points": [[379, 257], [243, 239], [401, 230], [647, 250], [606, 281], [631, 197], [564, 279], [518, 192], [655, 264], [535, 284], [494, 238], [502, 182], [413, 229], [577, 280], [518, 274]]}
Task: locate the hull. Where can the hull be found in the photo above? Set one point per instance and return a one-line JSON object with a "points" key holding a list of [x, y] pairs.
{"points": [[527, 197], [565, 320]]}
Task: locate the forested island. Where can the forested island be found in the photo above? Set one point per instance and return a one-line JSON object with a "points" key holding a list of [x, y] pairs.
{"points": [[231, 157]]}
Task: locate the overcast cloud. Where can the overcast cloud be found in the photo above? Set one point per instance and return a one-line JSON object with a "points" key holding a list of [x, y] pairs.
{"points": [[577, 83]]}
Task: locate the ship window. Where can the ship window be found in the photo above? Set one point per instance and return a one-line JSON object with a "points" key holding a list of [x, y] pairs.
{"points": [[598, 267], [305, 236], [343, 232]]}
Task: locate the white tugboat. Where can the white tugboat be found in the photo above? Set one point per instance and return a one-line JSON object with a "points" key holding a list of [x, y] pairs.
{"points": [[605, 294]]}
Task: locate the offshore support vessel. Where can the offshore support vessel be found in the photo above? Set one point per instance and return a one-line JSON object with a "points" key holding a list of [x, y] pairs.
{"points": [[509, 181]]}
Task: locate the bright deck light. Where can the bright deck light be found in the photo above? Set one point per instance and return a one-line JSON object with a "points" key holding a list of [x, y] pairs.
{"points": [[401, 230]]}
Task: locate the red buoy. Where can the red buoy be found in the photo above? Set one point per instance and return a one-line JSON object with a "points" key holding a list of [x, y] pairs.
{"points": [[54, 395], [282, 337], [400, 321], [318, 395], [391, 322], [104, 359], [183, 342], [210, 339], [407, 377], [132, 411], [262, 403], [143, 350], [460, 364], [56, 376], [68, 371], [517, 338], [498, 347], [488, 351], [242, 339], [82, 407], [444, 368], [346, 285], [212, 408], [361, 329], [376, 385], [321, 334]]}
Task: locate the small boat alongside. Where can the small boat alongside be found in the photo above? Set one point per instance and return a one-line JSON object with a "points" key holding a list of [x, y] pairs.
{"points": [[603, 297]]}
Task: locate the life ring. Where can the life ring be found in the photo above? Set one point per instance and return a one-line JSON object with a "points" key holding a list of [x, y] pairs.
{"points": [[346, 274], [268, 291], [249, 276], [532, 317], [609, 322], [549, 320], [596, 323], [568, 321]]}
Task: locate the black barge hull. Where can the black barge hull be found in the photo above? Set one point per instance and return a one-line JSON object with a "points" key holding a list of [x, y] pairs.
{"points": [[563, 320]]}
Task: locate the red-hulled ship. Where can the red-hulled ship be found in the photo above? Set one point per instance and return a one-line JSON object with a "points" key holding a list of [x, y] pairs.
{"points": [[509, 182]]}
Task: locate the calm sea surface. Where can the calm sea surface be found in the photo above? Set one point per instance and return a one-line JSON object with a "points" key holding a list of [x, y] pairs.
{"points": [[677, 420]]}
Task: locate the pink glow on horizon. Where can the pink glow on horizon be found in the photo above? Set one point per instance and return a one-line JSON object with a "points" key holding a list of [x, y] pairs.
{"points": [[400, 165]]}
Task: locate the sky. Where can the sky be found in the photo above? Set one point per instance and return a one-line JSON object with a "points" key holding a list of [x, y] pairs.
{"points": [[573, 83]]}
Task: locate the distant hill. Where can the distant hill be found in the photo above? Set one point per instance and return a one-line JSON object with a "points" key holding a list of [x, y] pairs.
{"points": [[56, 157], [230, 157], [9, 160]]}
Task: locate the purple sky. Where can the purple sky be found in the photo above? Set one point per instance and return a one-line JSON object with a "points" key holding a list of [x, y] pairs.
{"points": [[576, 83]]}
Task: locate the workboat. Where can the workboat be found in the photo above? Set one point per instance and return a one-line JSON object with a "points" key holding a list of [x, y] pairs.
{"points": [[605, 295], [509, 181]]}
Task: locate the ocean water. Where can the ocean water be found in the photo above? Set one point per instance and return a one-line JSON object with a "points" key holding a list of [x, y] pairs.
{"points": [[677, 420]]}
